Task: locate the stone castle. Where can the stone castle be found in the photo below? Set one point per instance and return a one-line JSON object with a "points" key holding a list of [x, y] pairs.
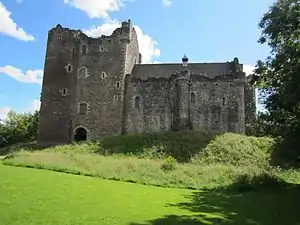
{"points": [[94, 87]]}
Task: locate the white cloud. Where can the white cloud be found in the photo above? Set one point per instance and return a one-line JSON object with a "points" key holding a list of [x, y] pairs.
{"points": [[147, 45], [96, 8], [30, 76], [36, 105], [10, 28], [3, 112], [248, 69], [167, 3]]}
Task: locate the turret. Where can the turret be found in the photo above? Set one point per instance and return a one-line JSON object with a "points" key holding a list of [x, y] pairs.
{"points": [[185, 61], [182, 85], [126, 29]]}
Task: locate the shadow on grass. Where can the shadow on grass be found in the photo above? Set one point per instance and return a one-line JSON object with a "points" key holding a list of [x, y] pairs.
{"points": [[182, 145], [264, 205]]}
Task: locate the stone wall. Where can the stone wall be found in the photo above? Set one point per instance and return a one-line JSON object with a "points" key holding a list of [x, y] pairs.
{"points": [[147, 105], [58, 88], [185, 101], [85, 87], [91, 72]]}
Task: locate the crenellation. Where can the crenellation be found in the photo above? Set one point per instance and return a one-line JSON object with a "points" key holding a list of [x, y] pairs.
{"points": [[94, 87]]}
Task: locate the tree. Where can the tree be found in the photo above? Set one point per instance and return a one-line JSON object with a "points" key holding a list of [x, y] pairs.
{"points": [[278, 76], [19, 127]]}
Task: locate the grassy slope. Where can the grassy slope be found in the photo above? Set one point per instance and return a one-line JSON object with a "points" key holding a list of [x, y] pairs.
{"points": [[37, 197], [214, 164]]}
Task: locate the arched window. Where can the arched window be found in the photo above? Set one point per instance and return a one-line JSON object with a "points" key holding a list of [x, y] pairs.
{"points": [[82, 72], [137, 102], [193, 97], [69, 68]]}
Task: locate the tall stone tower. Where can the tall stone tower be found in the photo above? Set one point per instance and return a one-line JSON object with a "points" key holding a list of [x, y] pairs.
{"points": [[83, 85]]}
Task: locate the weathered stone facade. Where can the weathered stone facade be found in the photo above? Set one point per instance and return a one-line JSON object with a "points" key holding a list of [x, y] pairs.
{"points": [[95, 87]]}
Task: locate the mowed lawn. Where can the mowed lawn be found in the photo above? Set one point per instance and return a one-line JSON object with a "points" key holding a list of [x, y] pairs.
{"points": [[38, 197]]}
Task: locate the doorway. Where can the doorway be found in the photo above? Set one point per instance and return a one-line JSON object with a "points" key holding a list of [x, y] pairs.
{"points": [[80, 134]]}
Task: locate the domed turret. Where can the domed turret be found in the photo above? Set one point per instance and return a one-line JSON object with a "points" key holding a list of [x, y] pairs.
{"points": [[185, 60]]}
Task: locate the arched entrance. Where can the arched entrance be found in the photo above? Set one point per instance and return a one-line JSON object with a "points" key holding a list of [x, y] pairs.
{"points": [[80, 134]]}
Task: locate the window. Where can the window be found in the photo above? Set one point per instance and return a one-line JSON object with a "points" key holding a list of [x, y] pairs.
{"points": [[83, 108], [118, 84], [224, 101], [101, 49], [64, 92], [137, 102], [84, 49], [193, 97], [69, 68], [82, 72], [103, 75]]}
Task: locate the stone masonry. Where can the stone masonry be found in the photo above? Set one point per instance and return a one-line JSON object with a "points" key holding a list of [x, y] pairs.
{"points": [[94, 87]]}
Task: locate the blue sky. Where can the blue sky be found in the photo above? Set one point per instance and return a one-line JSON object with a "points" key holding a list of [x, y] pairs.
{"points": [[206, 30]]}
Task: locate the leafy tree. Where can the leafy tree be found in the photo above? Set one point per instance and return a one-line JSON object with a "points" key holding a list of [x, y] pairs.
{"points": [[278, 76], [19, 127]]}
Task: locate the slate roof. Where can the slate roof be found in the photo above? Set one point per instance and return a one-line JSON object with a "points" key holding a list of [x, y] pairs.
{"points": [[211, 70]]}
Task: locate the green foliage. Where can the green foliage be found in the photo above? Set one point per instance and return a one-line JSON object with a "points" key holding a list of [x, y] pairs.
{"points": [[19, 127], [169, 164], [237, 150], [278, 76], [259, 126], [217, 165]]}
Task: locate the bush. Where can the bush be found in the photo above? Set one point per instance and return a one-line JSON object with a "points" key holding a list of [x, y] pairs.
{"points": [[236, 150], [169, 164]]}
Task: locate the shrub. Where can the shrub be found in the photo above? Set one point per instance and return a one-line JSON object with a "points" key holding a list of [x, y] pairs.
{"points": [[237, 150], [169, 164]]}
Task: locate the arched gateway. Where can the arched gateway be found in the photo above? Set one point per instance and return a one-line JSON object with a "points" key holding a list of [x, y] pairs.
{"points": [[80, 134]]}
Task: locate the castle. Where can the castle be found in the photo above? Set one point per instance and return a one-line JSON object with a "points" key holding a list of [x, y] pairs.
{"points": [[94, 87]]}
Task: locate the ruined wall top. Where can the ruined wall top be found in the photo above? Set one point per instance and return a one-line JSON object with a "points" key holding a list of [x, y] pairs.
{"points": [[123, 32]]}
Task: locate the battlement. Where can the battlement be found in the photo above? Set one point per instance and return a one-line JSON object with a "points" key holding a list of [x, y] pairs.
{"points": [[121, 32]]}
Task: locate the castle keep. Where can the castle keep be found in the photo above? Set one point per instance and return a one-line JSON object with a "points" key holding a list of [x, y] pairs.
{"points": [[94, 87]]}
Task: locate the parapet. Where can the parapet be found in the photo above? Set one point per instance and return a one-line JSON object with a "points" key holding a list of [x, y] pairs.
{"points": [[124, 31]]}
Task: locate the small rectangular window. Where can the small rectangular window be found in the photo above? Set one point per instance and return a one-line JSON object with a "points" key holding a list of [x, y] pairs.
{"points": [[83, 108], [84, 49], [193, 97], [118, 84]]}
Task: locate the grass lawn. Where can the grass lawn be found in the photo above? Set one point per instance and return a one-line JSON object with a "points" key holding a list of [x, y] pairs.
{"points": [[38, 197]]}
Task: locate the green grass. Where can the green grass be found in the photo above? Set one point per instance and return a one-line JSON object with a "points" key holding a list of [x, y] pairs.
{"points": [[40, 197], [214, 165], [147, 171]]}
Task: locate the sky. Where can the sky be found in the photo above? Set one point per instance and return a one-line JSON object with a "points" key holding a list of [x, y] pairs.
{"points": [[205, 30]]}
